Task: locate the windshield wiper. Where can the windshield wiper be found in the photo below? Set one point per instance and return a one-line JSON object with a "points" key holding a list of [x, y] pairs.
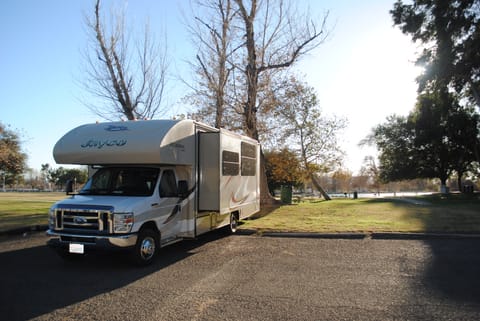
{"points": [[94, 191]]}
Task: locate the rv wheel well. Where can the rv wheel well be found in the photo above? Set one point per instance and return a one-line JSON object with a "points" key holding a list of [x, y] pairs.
{"points": [[237, 215], [150, 225]]}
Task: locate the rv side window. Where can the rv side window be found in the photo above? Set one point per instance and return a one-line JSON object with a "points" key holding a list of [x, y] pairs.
{"points": [[249, 159], [230, 163], [168, 184]]}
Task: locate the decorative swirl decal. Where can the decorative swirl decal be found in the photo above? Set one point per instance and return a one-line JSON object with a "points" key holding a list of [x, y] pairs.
{"points": [[240, 200], [178, 207]]}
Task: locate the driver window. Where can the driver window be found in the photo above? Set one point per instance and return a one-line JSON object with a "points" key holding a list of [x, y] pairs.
{"points": [[168, 184]]}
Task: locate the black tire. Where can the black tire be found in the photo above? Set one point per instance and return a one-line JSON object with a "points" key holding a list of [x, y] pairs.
{"points": [[146, 248], [233, 223]]}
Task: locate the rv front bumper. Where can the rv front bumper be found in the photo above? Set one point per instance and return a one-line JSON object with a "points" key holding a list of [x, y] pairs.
{"points": [[124, 241]]}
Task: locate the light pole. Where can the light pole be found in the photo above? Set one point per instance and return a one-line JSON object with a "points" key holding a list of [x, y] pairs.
{"points": [[3, 174]]}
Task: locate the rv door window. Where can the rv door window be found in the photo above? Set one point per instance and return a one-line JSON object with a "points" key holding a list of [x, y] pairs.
{"points": [[168, 184]]}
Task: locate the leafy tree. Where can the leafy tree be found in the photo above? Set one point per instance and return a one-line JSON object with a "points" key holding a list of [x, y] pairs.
{"points": [[342, 180], [394, 140], [312, 134], [12, 159], [450, 34], [282, 168], [130, 81], [445, 136], [436, 139], [61, 175]]}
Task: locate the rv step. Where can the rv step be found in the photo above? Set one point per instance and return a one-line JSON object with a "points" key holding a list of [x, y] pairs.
{"points": [[170, 241]]}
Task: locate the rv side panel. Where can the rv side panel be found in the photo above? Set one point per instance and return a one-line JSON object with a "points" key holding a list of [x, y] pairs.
{"points": [[209, 172], [239, 175]]}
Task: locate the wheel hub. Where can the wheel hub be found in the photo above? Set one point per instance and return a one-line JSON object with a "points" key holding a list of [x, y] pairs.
{"points": [[147, 248]]}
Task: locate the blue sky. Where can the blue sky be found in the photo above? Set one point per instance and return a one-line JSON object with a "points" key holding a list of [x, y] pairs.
{"points": [[364, 71]]}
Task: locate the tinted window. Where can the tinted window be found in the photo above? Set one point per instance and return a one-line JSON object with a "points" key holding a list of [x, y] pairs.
{"points": [[168, 184], [249, 150], [249, 167], [230, 163], [249, 159], [123, 181]]}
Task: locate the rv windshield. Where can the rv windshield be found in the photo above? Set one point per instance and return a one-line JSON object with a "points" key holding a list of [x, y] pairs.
{"points": [[122, 181]]}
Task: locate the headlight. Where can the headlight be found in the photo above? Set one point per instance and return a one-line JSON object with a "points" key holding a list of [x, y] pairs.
{"points": [[51, 218], [122, 222]]}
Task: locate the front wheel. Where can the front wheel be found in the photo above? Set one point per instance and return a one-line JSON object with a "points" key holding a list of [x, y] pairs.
{"points": [[146, 247]]}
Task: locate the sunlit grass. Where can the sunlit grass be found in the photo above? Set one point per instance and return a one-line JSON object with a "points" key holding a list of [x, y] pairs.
{"points": [[25, 209], [432, 214], [455, 213]]}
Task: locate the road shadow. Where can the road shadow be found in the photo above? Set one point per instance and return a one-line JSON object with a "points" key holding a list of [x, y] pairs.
{"points": [[454, 270], [452, 273], [36, 281]]}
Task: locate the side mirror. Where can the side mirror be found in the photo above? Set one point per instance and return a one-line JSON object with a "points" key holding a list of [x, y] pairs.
{"points": [[69, 187], [182, 189]]}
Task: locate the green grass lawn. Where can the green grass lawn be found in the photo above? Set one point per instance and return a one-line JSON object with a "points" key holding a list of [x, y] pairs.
{"points": [[453, 214], [25, 209]]}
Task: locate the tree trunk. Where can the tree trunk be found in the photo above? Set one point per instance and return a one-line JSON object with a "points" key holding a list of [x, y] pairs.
{"points": [[265, 197], [476, 95], [459, 182], [443, 186], [319, 187]]}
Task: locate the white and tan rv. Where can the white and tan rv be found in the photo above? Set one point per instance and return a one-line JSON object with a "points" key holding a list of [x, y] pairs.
{"points": [[153, 183]]}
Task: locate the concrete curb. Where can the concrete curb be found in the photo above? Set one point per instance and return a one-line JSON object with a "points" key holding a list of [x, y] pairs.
{"points": [[25, 229], [346, 236], [359, 236], [349, 236], [423, 236]]}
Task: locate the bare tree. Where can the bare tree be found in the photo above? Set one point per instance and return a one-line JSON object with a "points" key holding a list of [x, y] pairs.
{"points": [[262, 39], [370, 169], [131, 81], [214, 37], [275, 38]]}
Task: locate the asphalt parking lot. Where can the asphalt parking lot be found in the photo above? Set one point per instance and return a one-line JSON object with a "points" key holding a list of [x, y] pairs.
{"points": [[221, 277]]}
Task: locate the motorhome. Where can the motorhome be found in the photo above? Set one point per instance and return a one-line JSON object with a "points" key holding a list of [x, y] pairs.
{"points": [[152, 183]]}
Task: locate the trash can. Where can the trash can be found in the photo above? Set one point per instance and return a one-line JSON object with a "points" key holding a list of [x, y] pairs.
{"points": [[355, 195], [286, 194]]}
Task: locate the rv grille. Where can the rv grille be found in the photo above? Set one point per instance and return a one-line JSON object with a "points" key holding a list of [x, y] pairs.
{"points": [[84, 221]]}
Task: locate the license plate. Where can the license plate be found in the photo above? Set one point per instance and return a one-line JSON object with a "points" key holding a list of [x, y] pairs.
{"points": [[76, 248]]}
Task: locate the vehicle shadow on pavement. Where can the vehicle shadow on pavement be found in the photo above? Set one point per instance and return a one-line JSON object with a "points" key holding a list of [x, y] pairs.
{"points": [[452, 273], [454, 270], [36, 281]]}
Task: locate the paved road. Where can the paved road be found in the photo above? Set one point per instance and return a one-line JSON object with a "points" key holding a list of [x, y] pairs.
{"points": [[248, 278]]}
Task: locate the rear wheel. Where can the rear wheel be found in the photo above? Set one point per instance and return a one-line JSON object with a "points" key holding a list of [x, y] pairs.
{"points": [[233, 222], [146, 247]]}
